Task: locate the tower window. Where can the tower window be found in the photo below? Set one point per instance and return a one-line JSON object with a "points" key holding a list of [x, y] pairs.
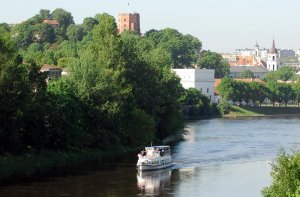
{"points": [[207, 90], [273, 58]]}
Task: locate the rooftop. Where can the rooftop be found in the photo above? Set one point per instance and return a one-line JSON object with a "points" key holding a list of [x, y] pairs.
{"points": [[254, 69], [51, 22]]}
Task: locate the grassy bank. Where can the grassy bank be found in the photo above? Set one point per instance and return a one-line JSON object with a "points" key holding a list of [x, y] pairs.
{"points": [[240, 111], [37, 165]]}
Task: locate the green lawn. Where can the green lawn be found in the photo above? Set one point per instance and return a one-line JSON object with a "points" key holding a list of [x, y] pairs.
{"points": [[238, 111]]}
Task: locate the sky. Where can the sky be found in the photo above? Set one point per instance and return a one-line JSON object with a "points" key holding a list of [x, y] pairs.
{"points": [[221, 25]]}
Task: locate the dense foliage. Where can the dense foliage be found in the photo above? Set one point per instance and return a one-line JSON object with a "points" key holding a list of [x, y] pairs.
{"points": [[197, 104], [286, 176], [212, 60], [246, 74], [120, 89], [285, 73], [257, 93]]}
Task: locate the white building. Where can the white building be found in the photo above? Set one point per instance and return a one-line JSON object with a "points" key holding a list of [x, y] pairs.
{"points": [[256, 52], [201, 79], [273, 61]]}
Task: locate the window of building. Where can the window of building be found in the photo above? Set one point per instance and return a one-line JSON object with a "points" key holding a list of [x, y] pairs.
{"points": [[207, 90], [124, 19], [273, 58]]}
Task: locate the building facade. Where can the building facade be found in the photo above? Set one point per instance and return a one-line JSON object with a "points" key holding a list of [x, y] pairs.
{"points": [[128, 21], [201, 79], [259, 72]]}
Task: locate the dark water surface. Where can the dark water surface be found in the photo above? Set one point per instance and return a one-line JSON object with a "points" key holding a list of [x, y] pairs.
{"points": [[220, 157]]}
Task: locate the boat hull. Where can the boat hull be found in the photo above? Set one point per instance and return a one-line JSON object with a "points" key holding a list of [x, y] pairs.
{"points": [[143, 167]]}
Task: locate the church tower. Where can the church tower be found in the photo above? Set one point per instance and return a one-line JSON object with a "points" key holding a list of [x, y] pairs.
{"points": [[273, 61], [257, 52]]}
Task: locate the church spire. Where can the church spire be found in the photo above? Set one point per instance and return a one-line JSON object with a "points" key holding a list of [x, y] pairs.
{"points": [[273, 50]]}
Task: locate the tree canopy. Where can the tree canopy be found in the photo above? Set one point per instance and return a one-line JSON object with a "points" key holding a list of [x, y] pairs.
{"points": [[120, 88], [212, 60], [246, 74]]}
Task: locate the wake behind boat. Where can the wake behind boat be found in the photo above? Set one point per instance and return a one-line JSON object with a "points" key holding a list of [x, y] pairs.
{"points": [[155, 158]]}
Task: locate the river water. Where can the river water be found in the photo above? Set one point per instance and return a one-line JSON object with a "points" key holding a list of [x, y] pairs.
{"points": [[218, 158]]}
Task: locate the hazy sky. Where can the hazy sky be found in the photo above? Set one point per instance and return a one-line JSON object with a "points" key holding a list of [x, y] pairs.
{"points": [[221, 25]]}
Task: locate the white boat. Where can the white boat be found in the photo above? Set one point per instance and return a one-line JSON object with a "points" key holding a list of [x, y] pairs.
{"points": [[155, 158]]}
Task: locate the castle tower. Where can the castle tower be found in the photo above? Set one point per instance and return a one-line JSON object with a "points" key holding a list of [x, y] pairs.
{"points": [[129, 21], [273, 61]]}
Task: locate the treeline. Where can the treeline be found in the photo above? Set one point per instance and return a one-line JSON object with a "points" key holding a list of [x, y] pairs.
{"points": [[280, 87], [120, 89]]}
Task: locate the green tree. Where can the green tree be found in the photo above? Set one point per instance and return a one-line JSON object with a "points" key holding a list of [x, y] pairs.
{"points": [[280, 92], [34, 53], [89, 23], [65, 19], [5, 27], [286, 176], [284, 73], [183, 49], [75, 33], [285, 92], [273, 92], [258, 92], [296, 89], [227, 89], [45, 14], [7, 48], [246, 74], [212, 60], [155, 87], [23, 34], [43, 33], [197, 104], [14, 96]]}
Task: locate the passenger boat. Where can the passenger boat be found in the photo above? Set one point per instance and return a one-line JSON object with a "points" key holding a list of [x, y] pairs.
{"points": [[155, 158]]}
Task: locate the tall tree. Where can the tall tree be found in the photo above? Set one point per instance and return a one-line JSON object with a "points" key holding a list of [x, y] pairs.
{"points": [[183, 49], [212, 60], [65, 19], [284, 74], [45, 14], [296, 89]]}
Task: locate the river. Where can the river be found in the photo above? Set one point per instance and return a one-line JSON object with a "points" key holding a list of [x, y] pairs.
{"points": [[219, 157]]}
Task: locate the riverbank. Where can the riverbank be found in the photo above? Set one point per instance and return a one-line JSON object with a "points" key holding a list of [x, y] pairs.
{"points": [[42, 164], [38, 165], [244, 111]]}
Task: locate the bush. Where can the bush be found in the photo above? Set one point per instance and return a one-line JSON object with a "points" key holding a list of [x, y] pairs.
{"points": [[224, 107], [286, 176]]}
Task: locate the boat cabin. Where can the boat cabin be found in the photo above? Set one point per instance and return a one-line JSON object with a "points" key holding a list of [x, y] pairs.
{"points": [[161, 150]]}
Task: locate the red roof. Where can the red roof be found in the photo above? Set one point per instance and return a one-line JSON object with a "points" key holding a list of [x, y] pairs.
{"points": [[47, 67], [51, 22]]}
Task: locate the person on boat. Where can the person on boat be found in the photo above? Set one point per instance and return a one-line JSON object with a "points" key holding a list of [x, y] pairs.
{"points": [[143, 152]]}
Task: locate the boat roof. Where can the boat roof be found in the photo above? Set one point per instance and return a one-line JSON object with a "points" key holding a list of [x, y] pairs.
{"points": [[165, 146]]}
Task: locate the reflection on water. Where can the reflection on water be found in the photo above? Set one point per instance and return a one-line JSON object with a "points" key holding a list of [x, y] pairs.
{"points": [[153, 182], [219, 157]]}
